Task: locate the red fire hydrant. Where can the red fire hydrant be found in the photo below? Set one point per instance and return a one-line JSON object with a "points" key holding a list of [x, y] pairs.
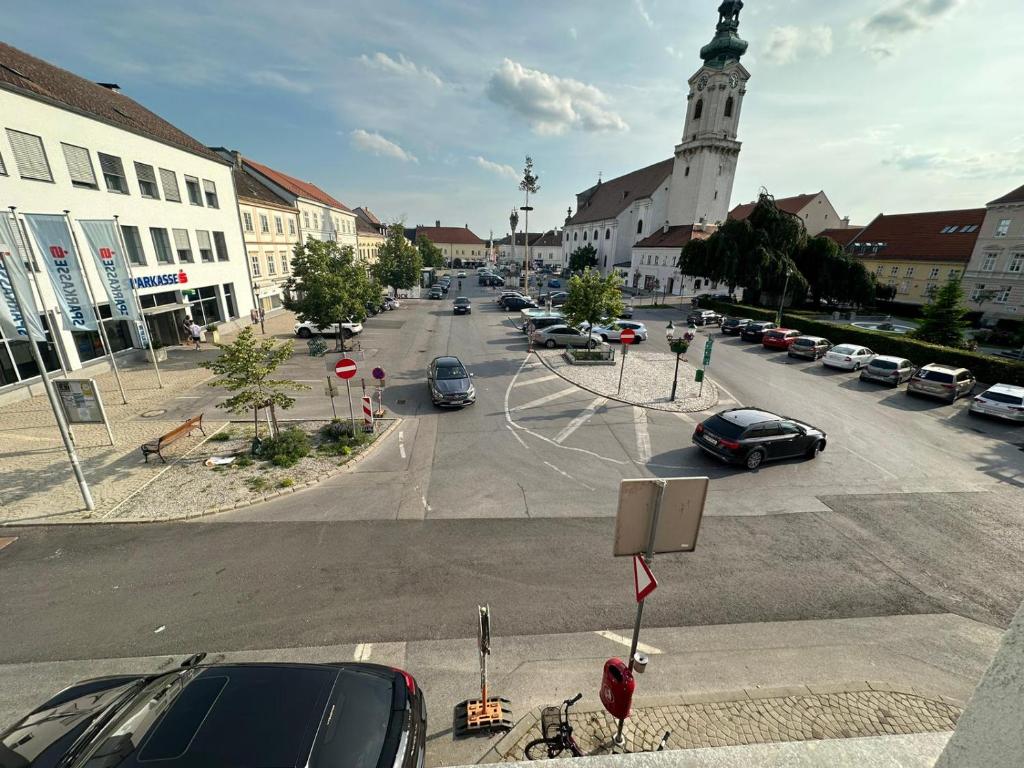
{"points": [[617, 686]]}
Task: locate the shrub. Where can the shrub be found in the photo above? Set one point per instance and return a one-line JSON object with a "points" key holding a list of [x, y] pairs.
{"points": [[258, 483], [336, 430], [286, 482], [243, 460], [223, 436], [286, 449]]}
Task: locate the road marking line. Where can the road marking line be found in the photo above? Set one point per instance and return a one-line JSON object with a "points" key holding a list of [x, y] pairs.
{"points": [[401, 444], [881, 469], [425, 505], [566, 474], [643, 437], [159, 629], [685, 417], [578, 422], [538, 381], [517, 437], [546, 399], [650, 650], [363, 651], [188, 397]]}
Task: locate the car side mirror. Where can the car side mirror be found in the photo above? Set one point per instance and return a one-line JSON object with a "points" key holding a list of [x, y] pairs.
{"points": [[471, 375]]}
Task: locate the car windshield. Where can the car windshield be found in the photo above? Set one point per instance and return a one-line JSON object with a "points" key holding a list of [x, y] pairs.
{"points": [[451, 372], [723, 427], [804, 342], [886, 365], [462, 300], [940, 376], [845, 349], [1003, 397]]}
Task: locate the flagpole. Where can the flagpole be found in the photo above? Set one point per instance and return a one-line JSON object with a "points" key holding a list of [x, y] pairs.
{"points": [[92, 299], [135, 297], [33, 346]]}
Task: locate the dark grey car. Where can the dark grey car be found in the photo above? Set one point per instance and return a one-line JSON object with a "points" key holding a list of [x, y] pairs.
{"points": [[449, 383]]}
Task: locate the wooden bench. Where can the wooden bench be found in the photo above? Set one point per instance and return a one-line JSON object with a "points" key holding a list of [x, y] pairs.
{"points": [[164, 440]]}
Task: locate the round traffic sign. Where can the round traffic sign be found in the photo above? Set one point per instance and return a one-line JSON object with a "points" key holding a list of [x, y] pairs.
{"points": [[345, 368], [628, 336], [378, 373]]}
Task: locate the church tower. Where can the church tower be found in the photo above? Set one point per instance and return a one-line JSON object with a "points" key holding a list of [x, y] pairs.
{"points": [[705, 158]]}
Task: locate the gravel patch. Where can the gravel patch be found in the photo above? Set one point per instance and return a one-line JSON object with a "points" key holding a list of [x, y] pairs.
{"points": [[646, 381]]}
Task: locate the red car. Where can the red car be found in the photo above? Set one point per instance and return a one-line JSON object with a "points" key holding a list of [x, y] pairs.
{"points": [[779, 338]]}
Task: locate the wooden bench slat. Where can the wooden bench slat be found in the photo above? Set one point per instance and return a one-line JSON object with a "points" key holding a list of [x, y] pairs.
{"points": [[156, 446]]}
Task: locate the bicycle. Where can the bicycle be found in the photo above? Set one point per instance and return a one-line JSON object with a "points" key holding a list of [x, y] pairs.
{"points": [[557, 733]]}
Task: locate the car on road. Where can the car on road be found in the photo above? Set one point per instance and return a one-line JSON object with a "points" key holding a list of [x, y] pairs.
{"points": [[704, 317], [449, 382], [558, 298], [436, 292], [462, 306], [627, 312], [390, 302], [754, 331], [750, 437], [461, 275], [1004, 401], [613, 330], [941, 381], [849, 357], [306, 330], [331, 714], [515, 303], [537, 322], [486, 278], [563, 336], [779, 338], [888, 370], [733, 326], [811, 347], [554, 283]]}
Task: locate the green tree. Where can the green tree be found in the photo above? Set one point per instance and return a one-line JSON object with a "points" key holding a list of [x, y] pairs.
{"points": [[832, 274], [430, 254], [398, 261], [887, 291], [583, 258], [942, 317], [327, 286], [593, 298], [245, 367]]}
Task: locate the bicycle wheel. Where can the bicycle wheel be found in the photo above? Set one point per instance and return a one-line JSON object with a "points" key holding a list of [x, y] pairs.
{"points": [[542, 749]]}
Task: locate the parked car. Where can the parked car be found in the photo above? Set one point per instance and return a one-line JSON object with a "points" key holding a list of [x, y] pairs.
{"points": [[1004, 401], [888, 370], [450, 383], [849, 357], [613, 330], [704, 317], [750, 436], [436, 292], [505, 295], [557, 299], [733, 326], [779, 338], [333, 714], [811, 347], [306, 330], [461, 275], [755, 330], [391, 302], [518, 302], [627, 312], [941, 381], [462, 306], [542, 321], [554, 283], [563, 335]]}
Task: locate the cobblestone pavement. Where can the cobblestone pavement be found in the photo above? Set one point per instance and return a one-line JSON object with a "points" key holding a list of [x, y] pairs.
{"points": [[646, 380], [756, 721]]}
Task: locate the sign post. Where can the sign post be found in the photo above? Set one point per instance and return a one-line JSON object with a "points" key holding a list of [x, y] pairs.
{"points": [[379, 374], [80, 400], [331, 392], [488, 713], [626, 337], [345, 369]]}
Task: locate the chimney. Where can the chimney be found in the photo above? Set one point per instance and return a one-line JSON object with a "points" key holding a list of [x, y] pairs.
{"points": [[846, 222], [237, 156], [664, 227], [110, 87], [437, 222], [467, 226]]}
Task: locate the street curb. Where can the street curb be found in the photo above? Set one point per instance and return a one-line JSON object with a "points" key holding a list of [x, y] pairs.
{"points": [[503, 747], [630, 402]]}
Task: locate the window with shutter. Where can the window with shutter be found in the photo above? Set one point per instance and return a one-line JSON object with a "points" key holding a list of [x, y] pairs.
{"points": [[29, 156], [169, 181], [205, 246], [147, 181], [80, 166], [133, 244], [182, 245], [3, 168], [162, 245], [192, 186], [221, 245], [113, 173], [211, 193]]}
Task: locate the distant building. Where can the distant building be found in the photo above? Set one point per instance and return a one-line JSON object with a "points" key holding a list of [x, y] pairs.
{"points": [[546, 250], [996, 269], [455, 243], [655, 260], [504, 249], [815, 210], [842, 236], [370, 234], [918, 252]]}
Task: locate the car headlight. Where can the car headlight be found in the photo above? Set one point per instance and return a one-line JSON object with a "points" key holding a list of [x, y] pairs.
{"points": [[471, 391]]}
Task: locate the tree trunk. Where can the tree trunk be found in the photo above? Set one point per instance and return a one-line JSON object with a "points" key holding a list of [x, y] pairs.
{"points": [[273, 420], [256, 420]]}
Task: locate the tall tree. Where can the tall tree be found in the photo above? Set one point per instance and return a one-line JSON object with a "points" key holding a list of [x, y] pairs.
{"points": [[832, 274], [943, 317], [529, 185], [398, 261], [593, 298], [430, 254], [583, 258], [327, 285], [245, 367]]}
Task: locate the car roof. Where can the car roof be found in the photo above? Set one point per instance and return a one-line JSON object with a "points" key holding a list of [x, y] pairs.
{"points": [[447, 360], [941, 367], [785, 330], [461, 298], [890, 358], [763, 322], [813, 338], [1007, 389], [744, 417]]}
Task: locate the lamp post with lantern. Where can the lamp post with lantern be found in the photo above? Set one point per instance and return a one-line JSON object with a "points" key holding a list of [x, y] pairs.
{"points": [[679, 345]]}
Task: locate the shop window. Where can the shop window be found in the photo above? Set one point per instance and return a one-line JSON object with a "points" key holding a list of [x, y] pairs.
{"points": [[229, 299]]}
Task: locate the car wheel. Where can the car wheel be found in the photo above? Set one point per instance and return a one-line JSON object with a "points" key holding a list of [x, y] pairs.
{"points": [[862, 376], [304, 333], [754, 459], [591, 344], [346, 333], [814, 450], [604, 338], [550, 343]]}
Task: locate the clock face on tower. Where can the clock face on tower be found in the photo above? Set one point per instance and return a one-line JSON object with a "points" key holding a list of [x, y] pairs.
{"points": [[733, 81], [702, 83]]}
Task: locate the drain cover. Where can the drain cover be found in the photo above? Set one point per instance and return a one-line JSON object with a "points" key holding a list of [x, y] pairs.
{"points": [[155, 412]]}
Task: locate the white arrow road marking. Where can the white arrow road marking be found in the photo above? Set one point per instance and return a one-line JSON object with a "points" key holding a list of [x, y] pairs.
{"points": [[401, 444], [643, 437], [546, 399], [578, 422], [650, 650], [363, 651]]}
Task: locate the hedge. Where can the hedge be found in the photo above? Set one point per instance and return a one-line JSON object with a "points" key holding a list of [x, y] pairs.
{"points": [[986, 368]]}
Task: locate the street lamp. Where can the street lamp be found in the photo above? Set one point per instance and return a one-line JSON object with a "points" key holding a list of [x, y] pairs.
{"points": [[679, 347], [782, 301]]}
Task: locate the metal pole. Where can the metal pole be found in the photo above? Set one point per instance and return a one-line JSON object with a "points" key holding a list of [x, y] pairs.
{"points": [[92, 300], [83, 486], [351, 410], [622, 368], [782, 301], [701, 391], [103, 411], [526, 242], [675, 379], [138, 304], [330, 391]]}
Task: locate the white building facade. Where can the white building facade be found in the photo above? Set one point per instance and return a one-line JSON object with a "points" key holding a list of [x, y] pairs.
{"points": [[996, 269], [79, 148]]}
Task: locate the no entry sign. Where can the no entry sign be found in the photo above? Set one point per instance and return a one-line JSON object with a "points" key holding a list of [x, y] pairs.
{"points": [[345, 368], [628, 336]]}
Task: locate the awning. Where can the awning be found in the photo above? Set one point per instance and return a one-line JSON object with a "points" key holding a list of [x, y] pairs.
{"points": [[160, 309]]}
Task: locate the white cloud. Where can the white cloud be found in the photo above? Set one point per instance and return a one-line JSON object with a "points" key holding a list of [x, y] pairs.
{"points": [[573, 33], [551, 104], [673, 52], [280, 81], [786, 44], [643, 13], [961, 164], [378, 145], [399, 66], [900, 18], [499, 168]]}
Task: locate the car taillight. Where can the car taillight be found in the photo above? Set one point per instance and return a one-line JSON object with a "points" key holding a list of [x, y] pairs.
{"points": [[410, 682], [848, 359], [894, 375], [948, 386], [700, 429], [732, 445]]}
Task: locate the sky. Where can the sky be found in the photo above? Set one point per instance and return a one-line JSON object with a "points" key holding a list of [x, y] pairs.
{"points": [[424, 110]]}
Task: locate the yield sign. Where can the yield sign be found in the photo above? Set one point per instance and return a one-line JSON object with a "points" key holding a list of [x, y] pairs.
{"points": [[643, 579], [345, 368]]}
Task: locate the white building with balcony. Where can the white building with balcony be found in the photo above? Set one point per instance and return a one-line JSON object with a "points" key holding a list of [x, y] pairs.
{"points": [[994, 279]]}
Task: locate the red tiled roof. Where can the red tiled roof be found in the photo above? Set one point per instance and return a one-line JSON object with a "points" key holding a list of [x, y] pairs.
{"points": [[456, 235], [793, 204], [248, 187], [609, 198], [297, 186], [676, 237], [842, 235], [1017, 196], [919, 236], [366, 213], [22, 72], [549, 238]]}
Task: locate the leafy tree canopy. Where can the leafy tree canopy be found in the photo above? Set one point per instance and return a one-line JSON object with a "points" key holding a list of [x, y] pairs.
{"points": [[593, 298], [832, 274], [398, 261], [430, 254], [943, 317], [327, 284], [583, 258]]}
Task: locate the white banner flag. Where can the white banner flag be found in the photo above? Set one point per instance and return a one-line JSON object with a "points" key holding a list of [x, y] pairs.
{"points": [[13, 278], [104, 244], [57, 252]]}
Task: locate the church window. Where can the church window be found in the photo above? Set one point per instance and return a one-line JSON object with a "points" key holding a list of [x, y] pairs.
{"points": [[608, 233], [640, 227], [716, 194], [595, 234], [728, 107], [584, 237], [575, 235], [687, 171], [699, 109]]}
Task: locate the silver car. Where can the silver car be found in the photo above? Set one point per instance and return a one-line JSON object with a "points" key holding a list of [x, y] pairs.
{"points": [[941, 381], [563, 336], [888, 370], [449, 383], [1002, 400]]}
